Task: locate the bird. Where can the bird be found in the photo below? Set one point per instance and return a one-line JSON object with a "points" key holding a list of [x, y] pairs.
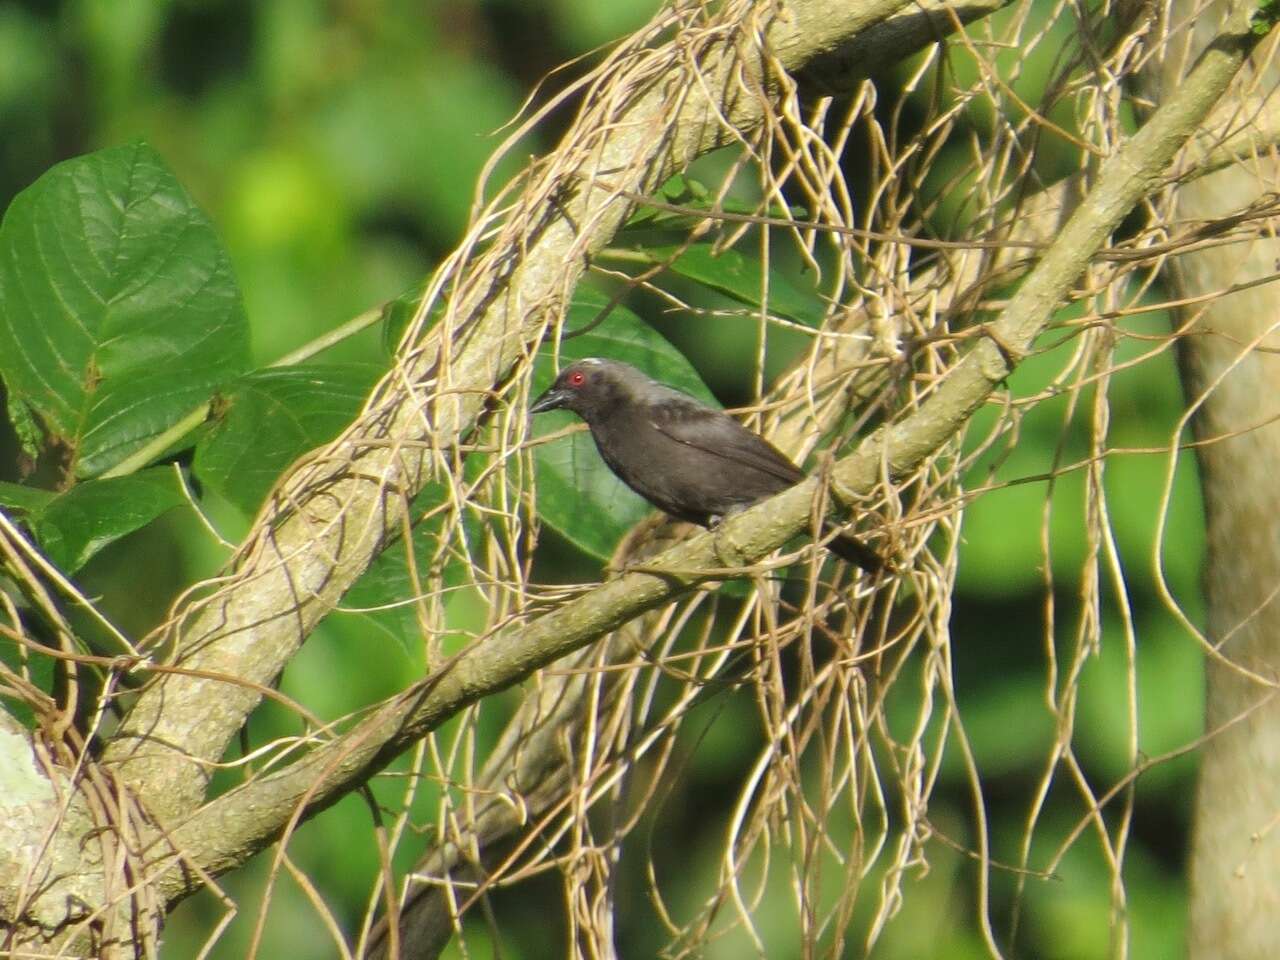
{"points": [[691, 461]]}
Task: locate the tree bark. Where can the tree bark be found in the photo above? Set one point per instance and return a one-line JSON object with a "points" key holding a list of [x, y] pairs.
{"points": [[1231, 369]]}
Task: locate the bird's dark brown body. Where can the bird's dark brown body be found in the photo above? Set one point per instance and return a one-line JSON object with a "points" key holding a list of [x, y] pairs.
{"points": [[689, 460]]}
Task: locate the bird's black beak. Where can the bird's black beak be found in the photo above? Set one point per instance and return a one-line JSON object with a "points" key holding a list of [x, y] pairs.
{"points": [[552, 399]]}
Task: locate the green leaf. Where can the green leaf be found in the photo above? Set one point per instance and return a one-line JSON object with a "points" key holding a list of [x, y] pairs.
{"points": [[25, 427], [398, 313], [118, 310], [741, 277], [383, 594], [1264, 18], [77, 524], [37, 667], [72, 526], [22, 500], [683, 189], [269, 418], [577, 494]]}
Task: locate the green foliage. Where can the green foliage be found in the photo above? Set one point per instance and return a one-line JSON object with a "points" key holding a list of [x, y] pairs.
{"points": [[74, 525], [1264, 18], [398, 313], [265, 420], [118, 310], [119, 316]]}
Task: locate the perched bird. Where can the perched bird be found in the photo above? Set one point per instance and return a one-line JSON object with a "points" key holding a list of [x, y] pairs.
{"points": [[689, 460]]}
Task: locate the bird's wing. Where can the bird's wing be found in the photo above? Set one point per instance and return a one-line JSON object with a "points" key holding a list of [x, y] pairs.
{"points": [[718, 434]]}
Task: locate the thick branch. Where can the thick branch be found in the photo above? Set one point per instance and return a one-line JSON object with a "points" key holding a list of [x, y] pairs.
{"points": [[891, 41]]}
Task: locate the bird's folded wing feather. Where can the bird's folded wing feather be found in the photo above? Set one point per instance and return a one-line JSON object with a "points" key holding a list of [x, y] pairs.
{"points": [[718, 434]]}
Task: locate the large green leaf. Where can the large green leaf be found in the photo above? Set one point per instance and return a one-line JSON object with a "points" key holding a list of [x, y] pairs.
{"points": [[268, 419], [72, 526], [118, 310], [577, 494]]}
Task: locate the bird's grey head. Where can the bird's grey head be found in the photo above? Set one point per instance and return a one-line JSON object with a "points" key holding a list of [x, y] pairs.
{"points": [[591, 386]]}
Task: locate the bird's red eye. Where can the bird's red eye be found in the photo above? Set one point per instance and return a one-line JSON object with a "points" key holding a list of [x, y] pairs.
{"points": [[576, 379]]}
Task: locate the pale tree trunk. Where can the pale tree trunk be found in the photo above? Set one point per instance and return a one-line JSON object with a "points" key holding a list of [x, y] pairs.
{"points": [[1231, 361], [1235, 862]]}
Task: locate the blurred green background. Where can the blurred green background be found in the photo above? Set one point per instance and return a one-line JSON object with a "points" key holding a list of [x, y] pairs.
{"points": [[336, 146]]}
